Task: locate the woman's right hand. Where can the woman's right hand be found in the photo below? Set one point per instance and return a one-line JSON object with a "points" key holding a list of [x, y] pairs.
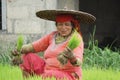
{"points": [[24, 50], [16, 57], [14, 52]]}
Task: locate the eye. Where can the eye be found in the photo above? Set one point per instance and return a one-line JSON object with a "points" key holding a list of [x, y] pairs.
{"points": [[59, 24], [68, 24]]}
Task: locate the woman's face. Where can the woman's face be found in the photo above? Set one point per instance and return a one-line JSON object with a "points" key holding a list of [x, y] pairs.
{"points": [[64, 28]]}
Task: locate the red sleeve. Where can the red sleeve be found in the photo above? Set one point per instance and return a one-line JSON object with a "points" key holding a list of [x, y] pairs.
{"points": [[43, 43]]}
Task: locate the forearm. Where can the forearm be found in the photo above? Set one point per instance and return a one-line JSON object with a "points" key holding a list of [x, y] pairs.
{"points": [[27, 48]]}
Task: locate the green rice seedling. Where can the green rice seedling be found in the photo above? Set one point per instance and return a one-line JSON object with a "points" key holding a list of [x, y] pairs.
{"points": [[100, 74], [8, 72], [20, 42], [74, 41], [17, 53]]}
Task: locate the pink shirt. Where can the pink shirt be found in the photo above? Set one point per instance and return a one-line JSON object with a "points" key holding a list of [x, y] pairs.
{"points": [[51, 51]]}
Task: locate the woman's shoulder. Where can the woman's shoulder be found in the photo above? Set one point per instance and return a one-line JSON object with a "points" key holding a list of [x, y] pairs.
{"points": [[52, 34]]}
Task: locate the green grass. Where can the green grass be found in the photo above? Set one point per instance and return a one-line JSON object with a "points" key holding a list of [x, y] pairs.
{"points": [[10, 73], [100, 74], [14, 73]]}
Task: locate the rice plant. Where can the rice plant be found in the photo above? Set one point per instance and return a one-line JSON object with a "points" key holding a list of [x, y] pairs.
{"points": [[102, 58], [14, 73], [100, 74], [20, 42], [74, 41], [5, 50]]}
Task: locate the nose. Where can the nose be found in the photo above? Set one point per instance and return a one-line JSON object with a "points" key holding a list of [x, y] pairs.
{"points": [[63, 26]]}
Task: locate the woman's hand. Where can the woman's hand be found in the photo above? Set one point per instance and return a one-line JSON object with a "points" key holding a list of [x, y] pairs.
{"points": [[15, 52], [24, 50], [16, 57], [68, 53], [62, 59], [16, 60], [65, 56]]}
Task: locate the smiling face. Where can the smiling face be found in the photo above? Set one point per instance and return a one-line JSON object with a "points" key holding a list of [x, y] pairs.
{"points": [[64, 28]]}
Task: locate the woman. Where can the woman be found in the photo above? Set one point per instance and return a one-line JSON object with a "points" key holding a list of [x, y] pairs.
{"points": [[59, 61]]}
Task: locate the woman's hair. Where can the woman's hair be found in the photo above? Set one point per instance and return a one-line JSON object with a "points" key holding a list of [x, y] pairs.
{"points": [[73, 25]]}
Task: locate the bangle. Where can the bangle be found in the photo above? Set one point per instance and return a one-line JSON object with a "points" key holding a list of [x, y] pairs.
{"points": [[73, 60], [65, 55], [76, 62]]}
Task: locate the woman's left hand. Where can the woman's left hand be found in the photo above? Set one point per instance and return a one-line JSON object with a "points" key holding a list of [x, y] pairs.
{"points": [[62, 59], [64, 56], [68, 53]]}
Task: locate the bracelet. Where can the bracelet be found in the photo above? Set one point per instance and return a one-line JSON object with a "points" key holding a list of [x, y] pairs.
{"points": [[73, 60], [65, 55]]}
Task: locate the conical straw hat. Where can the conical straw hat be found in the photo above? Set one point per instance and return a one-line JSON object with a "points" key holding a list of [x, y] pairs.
{"points": [[81, 16]]}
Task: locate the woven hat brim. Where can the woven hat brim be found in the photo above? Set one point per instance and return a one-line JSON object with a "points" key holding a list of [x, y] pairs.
{"points": [[82, 17]]}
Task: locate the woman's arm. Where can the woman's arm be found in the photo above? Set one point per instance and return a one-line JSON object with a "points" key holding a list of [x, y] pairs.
{"points": [[27, 48], [39, 45], [75, 56]]}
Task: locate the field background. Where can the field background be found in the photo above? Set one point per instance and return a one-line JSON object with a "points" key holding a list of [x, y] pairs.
{"points": [[8, 72], [98, 64]]}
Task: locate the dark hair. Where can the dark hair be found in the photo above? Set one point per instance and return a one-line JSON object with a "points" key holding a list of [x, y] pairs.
{"points": [[73, 25]]}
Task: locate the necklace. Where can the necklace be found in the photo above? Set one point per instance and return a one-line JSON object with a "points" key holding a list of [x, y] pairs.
{"points": [[60, 39]]}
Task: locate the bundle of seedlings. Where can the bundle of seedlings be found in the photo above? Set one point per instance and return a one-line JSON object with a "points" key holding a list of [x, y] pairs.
{"points": [[16, 53], [20, 42], [74, 41]]}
